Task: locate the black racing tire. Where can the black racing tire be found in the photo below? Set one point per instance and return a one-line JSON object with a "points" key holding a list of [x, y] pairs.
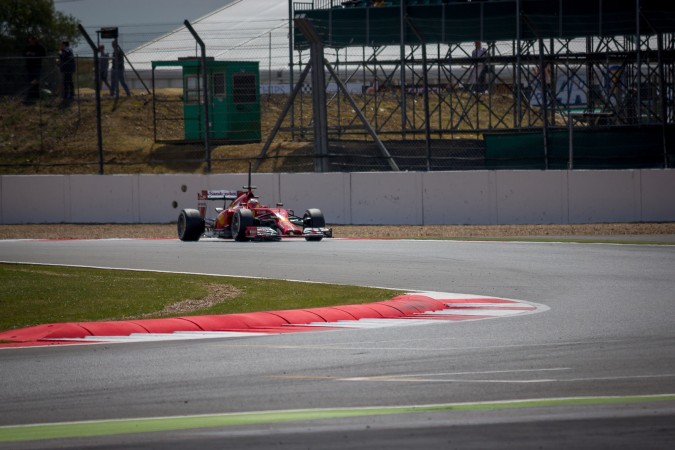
{"points": [[313, 218], [190, 225], [242, 218]]}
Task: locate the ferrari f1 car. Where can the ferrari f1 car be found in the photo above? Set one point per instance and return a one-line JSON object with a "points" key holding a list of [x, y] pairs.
{"points": [[245, 218]]}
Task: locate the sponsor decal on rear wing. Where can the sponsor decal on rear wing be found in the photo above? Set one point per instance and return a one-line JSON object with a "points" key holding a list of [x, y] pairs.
{"points": [[205, 195], [217, 195]]}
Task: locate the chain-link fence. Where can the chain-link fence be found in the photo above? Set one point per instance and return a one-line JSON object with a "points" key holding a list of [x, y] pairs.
{"points": [[18, 82], [37, 125], [592, 102]]}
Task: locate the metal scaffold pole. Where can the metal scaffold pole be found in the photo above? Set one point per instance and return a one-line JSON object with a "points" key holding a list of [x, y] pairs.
{"points": [[205, 88]]}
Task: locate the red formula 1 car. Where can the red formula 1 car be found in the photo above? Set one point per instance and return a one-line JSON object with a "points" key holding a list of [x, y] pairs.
{"points": [[246, 219]]}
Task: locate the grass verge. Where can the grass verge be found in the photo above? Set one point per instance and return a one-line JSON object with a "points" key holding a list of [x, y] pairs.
{"points": [[34, 294]]}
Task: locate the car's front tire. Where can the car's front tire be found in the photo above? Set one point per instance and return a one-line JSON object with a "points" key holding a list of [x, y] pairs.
{"points": [[190, 225], [242, 219], [313, 218]]}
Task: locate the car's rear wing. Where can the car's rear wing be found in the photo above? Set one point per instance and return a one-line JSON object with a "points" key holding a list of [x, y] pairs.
{"points": [[217, 195], [205, 195]]}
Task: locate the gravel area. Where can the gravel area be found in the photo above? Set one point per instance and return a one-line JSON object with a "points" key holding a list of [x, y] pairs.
{"points": [[662, 232]]}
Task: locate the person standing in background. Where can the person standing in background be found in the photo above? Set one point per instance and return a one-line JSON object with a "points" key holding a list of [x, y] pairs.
{"points": [[34, 54], [480, 67], [117, 76], [67, 68], [103, 63]]}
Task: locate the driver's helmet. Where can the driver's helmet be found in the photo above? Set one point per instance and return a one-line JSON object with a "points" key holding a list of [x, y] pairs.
{"points": [[253, 203]]}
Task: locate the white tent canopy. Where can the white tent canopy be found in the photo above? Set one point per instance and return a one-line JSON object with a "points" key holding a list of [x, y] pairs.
{"points": [[244, 30]]}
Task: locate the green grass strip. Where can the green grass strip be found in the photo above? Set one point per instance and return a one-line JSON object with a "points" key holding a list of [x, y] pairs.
{"points": [[32, 294], [19, 433]]}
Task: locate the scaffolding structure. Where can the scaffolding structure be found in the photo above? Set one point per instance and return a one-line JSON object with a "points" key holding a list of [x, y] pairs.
{"points": [[558, 84]]}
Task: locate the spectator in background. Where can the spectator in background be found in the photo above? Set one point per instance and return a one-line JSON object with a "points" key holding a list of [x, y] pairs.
{"points": [[117, 76], [67, 68], [479, 68], [103, 63], [34, 54]]}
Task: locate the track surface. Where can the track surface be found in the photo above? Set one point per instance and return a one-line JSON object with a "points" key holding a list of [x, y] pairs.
{"points": [[610, 332]]}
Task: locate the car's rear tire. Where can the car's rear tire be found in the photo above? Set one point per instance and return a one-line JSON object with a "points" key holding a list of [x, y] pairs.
{"points": [[313, 218], [190, 225], [242, 219]]}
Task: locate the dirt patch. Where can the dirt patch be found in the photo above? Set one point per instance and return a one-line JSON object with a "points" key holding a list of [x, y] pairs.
{"points": [[168, 231], [218, 293]]}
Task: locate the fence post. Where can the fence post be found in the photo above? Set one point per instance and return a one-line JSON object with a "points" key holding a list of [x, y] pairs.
{"points": [[97, 88], [404, 112], [544, 98], [570, 155], [664, 97], [205, 80], [425, 77], [316, 57]]}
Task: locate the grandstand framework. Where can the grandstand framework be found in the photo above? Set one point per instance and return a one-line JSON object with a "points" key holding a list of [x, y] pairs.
{"points": [[560, 84]]}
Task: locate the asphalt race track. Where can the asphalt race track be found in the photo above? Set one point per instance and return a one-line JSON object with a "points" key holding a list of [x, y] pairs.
{"points": [[596, 370]]}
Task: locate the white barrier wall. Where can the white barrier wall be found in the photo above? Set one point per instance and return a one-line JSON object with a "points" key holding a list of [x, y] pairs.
{"points": [[405, 198]]}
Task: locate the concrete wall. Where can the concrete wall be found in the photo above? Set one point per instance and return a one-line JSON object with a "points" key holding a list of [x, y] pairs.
{"points": [[412, 198]]}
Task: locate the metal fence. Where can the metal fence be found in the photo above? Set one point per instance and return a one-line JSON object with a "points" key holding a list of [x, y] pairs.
{"points": [[454, 106], [595, 102]]}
